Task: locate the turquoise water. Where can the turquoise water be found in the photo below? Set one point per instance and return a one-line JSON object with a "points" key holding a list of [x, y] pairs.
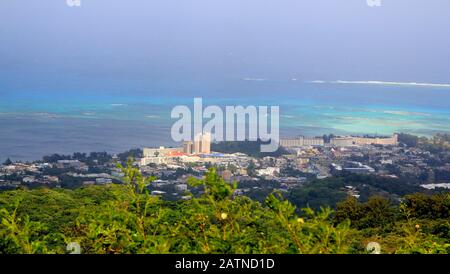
{"points": [[35, 123]]}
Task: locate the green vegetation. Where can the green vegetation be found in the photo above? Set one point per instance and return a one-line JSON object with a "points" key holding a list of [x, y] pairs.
{"points": [[408, 139], [330, 191], [98, 157], [438, 143], [420, 218], [126, 219], [135, 153], [7, 162]]}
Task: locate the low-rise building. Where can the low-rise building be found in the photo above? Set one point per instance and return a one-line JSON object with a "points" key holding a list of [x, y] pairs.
{"points": [[269, 171], [301, 141]]}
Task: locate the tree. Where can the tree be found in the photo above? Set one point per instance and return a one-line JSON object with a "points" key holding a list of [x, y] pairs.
{"points": [[214, 185], [349, 209], [125, 218], [7, 162], [408, 139], [251, 169]]}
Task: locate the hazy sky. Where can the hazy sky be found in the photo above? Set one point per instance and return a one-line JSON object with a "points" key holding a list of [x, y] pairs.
{"points": [[44, 44]]}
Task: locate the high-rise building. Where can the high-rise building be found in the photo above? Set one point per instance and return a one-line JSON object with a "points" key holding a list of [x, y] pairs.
{"points": [[200, 145], [188, 147], [206, 143], [197, 144]]}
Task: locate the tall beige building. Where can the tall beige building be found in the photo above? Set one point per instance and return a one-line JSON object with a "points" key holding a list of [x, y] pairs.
{"points": [[206, 143], [197, 144], [188, 147], [200, 145]]}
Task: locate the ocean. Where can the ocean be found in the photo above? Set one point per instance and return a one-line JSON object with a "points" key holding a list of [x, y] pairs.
{"points": [[35, 123]]}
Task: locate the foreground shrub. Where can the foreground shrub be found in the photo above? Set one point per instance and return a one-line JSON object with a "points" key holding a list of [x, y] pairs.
{"points": [[126, 219]]}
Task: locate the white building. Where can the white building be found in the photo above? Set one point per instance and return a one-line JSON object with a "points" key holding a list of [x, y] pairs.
{"points": [[28, 179], [269, 171], [161, 151], [301, 141], [153, 160], [342, 141], [103, 181], [157, 192]]}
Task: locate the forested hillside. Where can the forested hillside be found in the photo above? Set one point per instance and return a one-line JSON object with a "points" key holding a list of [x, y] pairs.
{"points": [[124, 218]]}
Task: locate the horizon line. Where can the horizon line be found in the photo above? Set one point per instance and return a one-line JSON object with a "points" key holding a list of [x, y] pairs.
{"points": [[381, 83]]}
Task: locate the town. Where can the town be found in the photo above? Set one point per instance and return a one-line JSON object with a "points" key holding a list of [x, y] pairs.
{"points": [[300, 161]]}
